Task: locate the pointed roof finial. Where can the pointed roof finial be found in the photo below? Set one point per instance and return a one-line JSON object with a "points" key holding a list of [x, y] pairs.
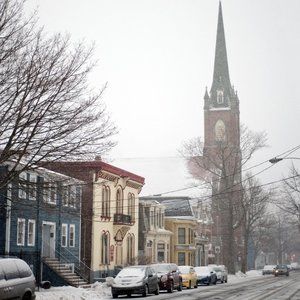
{"points": [[206, 96], [221, 63]]}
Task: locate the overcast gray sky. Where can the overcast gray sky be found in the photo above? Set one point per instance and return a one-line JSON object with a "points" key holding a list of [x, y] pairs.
{"points": [[157, 57]]}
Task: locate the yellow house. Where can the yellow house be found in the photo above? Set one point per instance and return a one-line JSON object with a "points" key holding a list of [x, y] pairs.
{"points": [[109, 229], [179, 219], [183, 240]]}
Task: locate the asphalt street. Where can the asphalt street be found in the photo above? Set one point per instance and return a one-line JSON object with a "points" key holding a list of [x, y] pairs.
{"points": [[262, 288]]}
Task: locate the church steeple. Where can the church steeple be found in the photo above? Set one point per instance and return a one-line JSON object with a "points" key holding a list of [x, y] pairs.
{"points": [[221, 72], [221, 92]]}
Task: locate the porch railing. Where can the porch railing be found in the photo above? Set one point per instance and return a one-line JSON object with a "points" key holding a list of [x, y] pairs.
{"points": [[68, 258]]}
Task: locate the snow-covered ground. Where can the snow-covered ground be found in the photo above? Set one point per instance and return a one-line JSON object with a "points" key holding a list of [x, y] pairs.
{"points": [[101, 291], [239, 276], [98, 291]]}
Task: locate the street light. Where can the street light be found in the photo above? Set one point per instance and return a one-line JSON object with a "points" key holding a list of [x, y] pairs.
{"points": [[275, 160]]}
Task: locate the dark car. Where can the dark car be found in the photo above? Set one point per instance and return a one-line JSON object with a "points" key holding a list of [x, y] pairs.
{"points": [[135, 280], [169, 277], [206, 275], [16, 280], [281, 270]]}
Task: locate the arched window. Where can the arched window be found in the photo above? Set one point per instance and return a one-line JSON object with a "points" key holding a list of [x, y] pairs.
{"points": [[105, 211], [105, 241], [220, 97], [130, 249], [131, 206], [220, 131], [119, 202]]}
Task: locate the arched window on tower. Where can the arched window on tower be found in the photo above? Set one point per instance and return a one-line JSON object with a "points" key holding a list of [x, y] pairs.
{"points": [[220, 97], [220, 131]]}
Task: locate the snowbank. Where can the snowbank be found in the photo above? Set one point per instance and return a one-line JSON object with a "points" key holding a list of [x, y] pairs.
{"points": [[97, 291], [239, 276]]}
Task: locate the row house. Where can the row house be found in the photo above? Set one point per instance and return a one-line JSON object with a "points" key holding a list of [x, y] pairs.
{"points": [[202, 213], [154, 239], [180, 220], [40, 221], [109, 232]]}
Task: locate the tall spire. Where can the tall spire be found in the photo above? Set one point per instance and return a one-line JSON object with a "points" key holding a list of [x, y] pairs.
{"points": [[221, 73]]}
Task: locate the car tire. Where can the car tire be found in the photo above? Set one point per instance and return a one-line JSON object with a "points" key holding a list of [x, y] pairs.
{"points": [[156, 292], [115, 295], [128, 294], [179, 289], [145, 291], [215, 282], [27, 296], [207, 283], [171, 288]]}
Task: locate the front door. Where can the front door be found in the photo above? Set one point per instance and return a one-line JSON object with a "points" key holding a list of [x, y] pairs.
{"points": [[48, 239]]}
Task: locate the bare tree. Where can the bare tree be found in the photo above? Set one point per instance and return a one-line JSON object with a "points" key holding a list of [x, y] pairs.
{"points": [[288, 199], [253, 210], [219, 166], [47, 110]]}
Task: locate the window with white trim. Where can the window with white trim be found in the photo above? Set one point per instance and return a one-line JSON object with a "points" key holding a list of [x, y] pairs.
{"points": [[21, 232], [31, 186], [22, 186], [65, 195], [72, 235], [72, 195], [64, 235], [50, 192], [31, 233]]}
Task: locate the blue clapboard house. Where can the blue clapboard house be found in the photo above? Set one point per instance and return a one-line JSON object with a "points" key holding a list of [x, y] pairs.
{"points": [[40, 217]]}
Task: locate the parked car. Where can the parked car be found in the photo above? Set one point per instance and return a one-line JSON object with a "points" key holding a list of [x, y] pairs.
{"points": [[189, 276], [16, 280], [135, 280], [222, 273], [268, 269], [206, 275], [281, 270], [169, 277], [295, 266]]}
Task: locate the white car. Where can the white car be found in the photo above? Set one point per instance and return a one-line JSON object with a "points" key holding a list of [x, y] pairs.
{"points": [[16, 280], [268, 269], [221, 271], [135, 280]]}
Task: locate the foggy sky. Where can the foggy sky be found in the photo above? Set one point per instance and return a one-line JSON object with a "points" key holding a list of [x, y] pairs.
{"points": [[157, 57]]}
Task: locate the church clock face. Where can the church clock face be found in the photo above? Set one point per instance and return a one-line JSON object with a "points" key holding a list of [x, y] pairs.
{"points": [[220, 131]]}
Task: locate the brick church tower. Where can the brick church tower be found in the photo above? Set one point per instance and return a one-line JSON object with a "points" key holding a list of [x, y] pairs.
{"points": [[222, 155]]}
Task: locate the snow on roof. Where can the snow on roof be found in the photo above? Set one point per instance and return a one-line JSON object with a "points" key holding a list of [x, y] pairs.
{"points": [[175, 206]]}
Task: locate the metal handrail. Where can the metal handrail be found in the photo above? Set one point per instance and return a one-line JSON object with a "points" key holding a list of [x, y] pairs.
{"points": [[80, 268]]}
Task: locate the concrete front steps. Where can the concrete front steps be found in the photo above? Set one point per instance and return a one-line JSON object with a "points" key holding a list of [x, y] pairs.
{"points": [[64, 272]]}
